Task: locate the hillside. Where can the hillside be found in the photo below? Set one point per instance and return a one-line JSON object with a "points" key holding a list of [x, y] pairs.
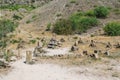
{"points": [[33, 50]]}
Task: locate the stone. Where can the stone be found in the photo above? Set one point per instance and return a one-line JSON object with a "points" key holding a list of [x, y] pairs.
{"points": [[28, 57]]}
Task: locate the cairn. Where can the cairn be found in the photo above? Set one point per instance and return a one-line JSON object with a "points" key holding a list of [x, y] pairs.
{"points": [[117, 45], [38, 50], [80, 41], [92, 44], [74, 48], [62, 40], [76, 43], [107, 53], [108, 45], [53, 43]]}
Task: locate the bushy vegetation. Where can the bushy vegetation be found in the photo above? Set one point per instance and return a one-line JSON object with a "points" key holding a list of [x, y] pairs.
{"points": [[6, 26], [63, 26], [3, 44], [76, 23], [81, 21], [101, 12], [112, 29], [16, 7]]}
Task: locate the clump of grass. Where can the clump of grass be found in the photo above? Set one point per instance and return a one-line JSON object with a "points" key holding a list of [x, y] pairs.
{"points": [[13, 41], [33, 41], [17, 7], [72, 1]]}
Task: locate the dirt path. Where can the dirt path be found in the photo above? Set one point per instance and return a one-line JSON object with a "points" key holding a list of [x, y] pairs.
{"points": [[22, 71]]}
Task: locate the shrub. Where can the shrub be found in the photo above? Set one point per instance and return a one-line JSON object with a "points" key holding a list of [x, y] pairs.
{"points": [[88, 21], [101, 12], [83, 23], [3, 44], [76, 23], [63, 26], [6, 26], [112, 29]]}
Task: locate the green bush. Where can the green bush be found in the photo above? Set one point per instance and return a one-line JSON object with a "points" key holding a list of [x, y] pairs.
{"points": [[112, 29], [101, 12], [63, 26], [88, 21], [3, 44], [77, 23], [81, 24], [6, 26]]}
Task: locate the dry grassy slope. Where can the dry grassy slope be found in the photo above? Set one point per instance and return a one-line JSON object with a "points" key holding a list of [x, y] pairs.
{"points": [[48, 12]]}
